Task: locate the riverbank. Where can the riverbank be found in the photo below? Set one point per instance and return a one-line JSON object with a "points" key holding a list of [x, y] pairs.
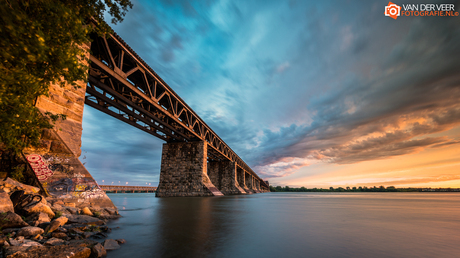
{"points": [[34, 226]]}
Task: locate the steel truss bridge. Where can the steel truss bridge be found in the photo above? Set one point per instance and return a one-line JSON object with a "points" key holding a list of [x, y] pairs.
{"points": [[122, 85]]}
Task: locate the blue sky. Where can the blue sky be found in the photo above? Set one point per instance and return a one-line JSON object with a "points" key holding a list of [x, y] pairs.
{"points": [[307, 93]]}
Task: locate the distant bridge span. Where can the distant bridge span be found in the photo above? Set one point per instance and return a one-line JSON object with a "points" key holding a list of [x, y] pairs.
{"points": [[122, 85]]}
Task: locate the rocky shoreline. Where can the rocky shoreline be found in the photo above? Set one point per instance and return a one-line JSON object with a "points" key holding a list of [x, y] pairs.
{"points": [[49, 227]]}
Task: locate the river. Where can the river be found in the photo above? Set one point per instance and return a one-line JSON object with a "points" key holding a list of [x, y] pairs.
{"points": [[289, 225]]}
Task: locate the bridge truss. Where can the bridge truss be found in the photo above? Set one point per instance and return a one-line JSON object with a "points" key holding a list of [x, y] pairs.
{"points": [[122, 85]]}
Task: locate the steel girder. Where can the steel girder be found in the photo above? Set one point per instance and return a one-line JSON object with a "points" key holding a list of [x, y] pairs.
{"points": [[122, 85]]}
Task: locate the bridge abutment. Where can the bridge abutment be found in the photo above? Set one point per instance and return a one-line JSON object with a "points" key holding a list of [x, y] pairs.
{"points": [[184, 171], [55, 162]]}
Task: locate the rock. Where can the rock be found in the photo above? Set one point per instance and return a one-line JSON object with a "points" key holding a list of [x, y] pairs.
{"points": [[54, 241], [11, 220], [40, 207], [30, 231], [86, 211], [110, 244], [61, 230], [84, 219], [10, 230], [10, 183], [109, 217], [5, 202], [15, 242], [59, 235], [81, 227], [56, 223], [83, 242], [2, 239], [28, 242], [120, 241], [68, 251], [87, 234], [69, 204], [72, 210], [99, 235], [111, 211], [38, 218], [98, 251], [59, 202]]}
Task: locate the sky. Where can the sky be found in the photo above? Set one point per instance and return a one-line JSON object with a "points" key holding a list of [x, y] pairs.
{"points": [[307, 93]]}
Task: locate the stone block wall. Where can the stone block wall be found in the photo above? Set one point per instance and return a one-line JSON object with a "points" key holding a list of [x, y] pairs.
{"points": [[70, 101], [215, 173], [62, 176], [248, 181], [55, 162], [224, 174], [184, 171]]}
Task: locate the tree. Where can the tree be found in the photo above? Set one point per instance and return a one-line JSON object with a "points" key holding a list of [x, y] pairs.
{"points": [[41, 45]]}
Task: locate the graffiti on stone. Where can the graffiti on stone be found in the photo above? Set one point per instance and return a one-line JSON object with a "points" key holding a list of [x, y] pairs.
{"points": [[39, 167], [94, 193], [60, 187]]}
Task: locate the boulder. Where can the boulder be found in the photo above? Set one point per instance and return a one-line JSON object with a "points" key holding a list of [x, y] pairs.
{"points": [[69, 204], [69, 251], [16, 242], [86, 211], [56, 223], [98, 251], [84, 219], [59, 235], [30, 231], [38, 218], [5, 202], [111, 211], [54, 241], [11, 220], [59, 202], [120, 241], [72, 210], [28, 243], [110, 244], [40, 207], [15, 185]]}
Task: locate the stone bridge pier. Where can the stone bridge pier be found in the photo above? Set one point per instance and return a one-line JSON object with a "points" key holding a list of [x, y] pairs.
{"points": [[186, 171], [249, 182]]}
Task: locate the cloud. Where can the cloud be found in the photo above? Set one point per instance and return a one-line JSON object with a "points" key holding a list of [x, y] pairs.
{"points": [[290, 85], [413, 93]]}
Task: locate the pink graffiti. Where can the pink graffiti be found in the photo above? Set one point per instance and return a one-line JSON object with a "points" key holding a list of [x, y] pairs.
{"points": [[39, 167]]}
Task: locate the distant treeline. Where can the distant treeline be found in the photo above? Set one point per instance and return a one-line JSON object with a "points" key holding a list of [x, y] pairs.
{"points": [[361, 189]]}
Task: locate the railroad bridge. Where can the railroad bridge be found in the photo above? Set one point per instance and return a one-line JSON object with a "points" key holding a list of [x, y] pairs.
{"points": [[195, 161]]}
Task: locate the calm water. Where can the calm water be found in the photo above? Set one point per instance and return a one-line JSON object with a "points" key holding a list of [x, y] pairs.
{"points": [[289, 225]]}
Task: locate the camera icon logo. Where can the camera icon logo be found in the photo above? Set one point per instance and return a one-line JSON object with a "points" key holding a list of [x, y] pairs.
{"points": [[392, 10]]}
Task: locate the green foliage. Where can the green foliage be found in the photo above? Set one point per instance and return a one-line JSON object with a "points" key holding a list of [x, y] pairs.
{"points": [[18, 173], [41, 45], [96, 214], [57, 214]]}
